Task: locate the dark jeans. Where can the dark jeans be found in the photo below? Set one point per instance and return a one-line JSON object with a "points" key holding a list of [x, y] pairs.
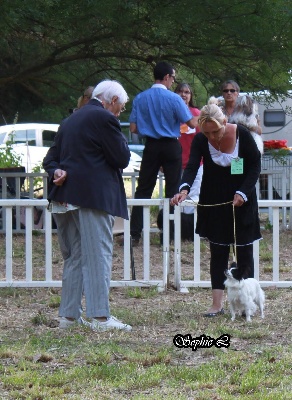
{"points": [[165, 153], [219, 263]]}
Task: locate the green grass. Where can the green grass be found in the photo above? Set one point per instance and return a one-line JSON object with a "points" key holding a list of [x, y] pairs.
{"points": [[54, 301], [266, 254], [13, 292], [39, 319], [38, 361], [140, 292], [77, 366], [41, 362]]}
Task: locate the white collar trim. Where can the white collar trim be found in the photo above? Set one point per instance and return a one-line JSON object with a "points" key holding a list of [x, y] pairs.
{"points": [[158, 85], [96, 98]]}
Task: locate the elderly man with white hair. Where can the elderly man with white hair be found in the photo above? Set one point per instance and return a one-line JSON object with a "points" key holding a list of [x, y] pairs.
{"points": [[86, 192]]}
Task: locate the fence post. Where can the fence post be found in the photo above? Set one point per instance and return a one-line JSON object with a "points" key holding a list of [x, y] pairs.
{"points": [[177, 247], [8, 229], [167, 217]]}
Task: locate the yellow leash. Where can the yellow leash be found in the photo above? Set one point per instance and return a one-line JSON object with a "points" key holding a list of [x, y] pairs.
{"points": [[234, 229], [213, 205]]}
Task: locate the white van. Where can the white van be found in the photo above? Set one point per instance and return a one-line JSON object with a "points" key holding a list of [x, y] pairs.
{"points": [[32, 140], [276, 122], [275, 117]]}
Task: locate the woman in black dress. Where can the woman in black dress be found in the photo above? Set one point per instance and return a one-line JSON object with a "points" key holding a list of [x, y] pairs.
{"points": [[231, 168]]}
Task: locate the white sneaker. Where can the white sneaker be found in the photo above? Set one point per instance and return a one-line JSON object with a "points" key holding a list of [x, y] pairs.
{"points": [[67, 323], [111, 323]]}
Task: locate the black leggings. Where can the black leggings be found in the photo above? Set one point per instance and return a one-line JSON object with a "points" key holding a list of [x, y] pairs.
{"points": [[219, 263]]}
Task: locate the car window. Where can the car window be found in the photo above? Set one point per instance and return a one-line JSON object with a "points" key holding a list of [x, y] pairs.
{"points": [[25, 136], [2, 136], [48, 138], [274, 118]]}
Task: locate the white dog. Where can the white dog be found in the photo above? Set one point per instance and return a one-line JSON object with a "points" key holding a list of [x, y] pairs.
{"points": [[244, 295]]}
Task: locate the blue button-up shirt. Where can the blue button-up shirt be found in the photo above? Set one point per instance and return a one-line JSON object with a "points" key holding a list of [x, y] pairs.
{"points": [[158, 112]]}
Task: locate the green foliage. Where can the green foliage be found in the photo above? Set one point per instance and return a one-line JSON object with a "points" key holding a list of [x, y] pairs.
{"points": [[8, 157], [49, 57], [38, 181], [279, 155]]}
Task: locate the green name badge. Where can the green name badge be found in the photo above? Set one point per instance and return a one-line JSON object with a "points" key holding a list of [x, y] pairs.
{"points": [[237, 166]]}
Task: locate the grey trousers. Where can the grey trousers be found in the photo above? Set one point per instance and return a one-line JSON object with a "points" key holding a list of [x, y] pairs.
{"points": [[86, 242]]}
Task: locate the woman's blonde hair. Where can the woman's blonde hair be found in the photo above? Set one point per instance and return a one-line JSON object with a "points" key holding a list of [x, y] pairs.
{"points": [[211, 113]]}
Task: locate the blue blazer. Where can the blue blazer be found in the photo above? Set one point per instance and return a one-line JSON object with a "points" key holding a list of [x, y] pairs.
{"points": [[91, 148]]}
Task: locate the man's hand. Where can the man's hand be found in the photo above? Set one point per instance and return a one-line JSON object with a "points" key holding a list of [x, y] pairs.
{"points": [[59, 177]]}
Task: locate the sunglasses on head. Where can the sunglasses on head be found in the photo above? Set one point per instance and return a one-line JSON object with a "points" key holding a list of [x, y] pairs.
{"points": [[229, 90]]}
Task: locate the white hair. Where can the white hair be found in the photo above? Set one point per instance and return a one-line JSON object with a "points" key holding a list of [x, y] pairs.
{"points": [[213, 100], [219, 101], [245, 113], [108, 89]]}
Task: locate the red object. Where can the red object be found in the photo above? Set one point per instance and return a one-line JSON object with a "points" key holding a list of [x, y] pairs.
{"points": [[187, 138], [275, 144]]}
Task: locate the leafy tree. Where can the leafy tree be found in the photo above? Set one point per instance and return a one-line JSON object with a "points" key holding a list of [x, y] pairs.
{"points": [[52, 49]]}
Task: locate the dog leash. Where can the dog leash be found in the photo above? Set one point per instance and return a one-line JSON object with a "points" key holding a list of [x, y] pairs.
{"points": [[234, 226], [234, 231]]}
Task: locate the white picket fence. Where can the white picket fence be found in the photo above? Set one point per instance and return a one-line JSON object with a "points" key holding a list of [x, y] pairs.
{"points": [[7, 278], [276, 207]]}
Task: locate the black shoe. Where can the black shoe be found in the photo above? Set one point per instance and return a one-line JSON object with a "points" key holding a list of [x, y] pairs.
{"points": [[214, 314]]}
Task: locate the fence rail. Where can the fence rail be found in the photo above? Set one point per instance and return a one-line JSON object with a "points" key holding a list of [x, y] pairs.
{"points": [[183, 285], [47, 280], [24, 186], [6, 276]]}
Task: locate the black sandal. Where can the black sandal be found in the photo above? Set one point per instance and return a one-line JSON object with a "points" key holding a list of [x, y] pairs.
{"points": [[214, 314]]}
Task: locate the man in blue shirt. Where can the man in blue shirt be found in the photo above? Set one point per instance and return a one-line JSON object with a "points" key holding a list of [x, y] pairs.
{"points": [[156, 115]]}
